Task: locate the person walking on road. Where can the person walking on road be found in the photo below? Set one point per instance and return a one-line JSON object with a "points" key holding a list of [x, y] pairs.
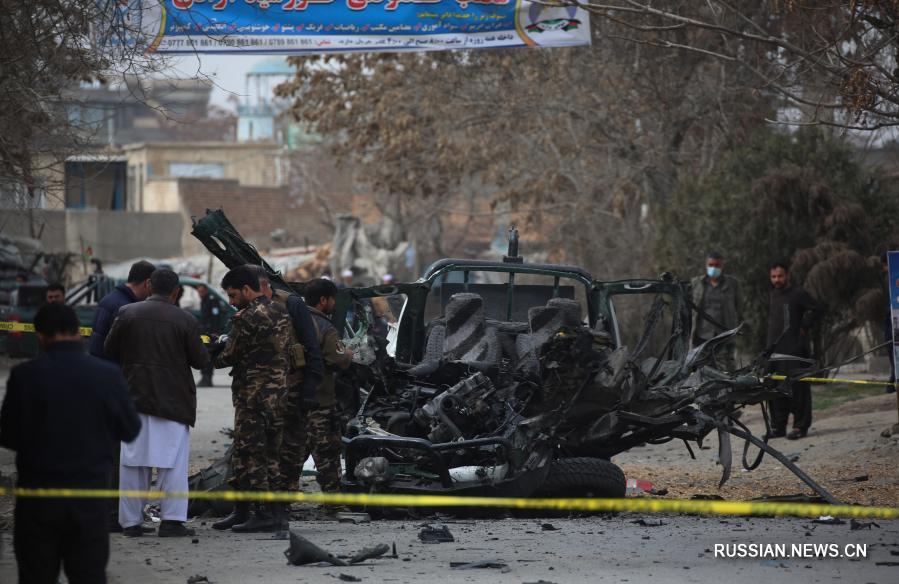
{"points": [[157, 344], [257, 351], [322, 438], [720, 308], [64, 414], [792, 314]]}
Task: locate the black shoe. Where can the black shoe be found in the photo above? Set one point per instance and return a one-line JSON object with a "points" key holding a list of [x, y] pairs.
{"points": [[205, 382], [775, 434], [261, 521], [240, 514], [174, 529], [797, 434], [281, 514], [133, 531]]}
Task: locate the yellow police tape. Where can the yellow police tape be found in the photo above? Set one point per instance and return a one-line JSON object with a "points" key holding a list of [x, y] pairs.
{"points": [[86, 331], [27, 327], [694, 507], [837, 380]]}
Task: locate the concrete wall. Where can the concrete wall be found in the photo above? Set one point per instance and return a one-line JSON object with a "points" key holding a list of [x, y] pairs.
{"points": [[256, 164], [161, 196], [113, 235]]}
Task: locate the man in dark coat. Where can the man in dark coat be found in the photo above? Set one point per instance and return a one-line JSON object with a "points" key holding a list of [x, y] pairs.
{"points": [[135, 289], [157, 343], [64, 414], [792, 314]]}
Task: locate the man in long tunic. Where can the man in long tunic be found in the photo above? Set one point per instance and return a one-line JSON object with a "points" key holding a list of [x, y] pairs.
{"points": [[157, 344]]}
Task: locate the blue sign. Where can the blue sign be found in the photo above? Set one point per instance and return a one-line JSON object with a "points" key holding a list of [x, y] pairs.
{"points": [[323, 26]]}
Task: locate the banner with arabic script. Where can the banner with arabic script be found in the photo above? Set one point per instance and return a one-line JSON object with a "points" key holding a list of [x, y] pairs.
{"points": [[322, 26]]}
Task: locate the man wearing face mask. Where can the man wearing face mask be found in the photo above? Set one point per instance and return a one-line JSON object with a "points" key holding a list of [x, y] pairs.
{"points": [[719, 307]]}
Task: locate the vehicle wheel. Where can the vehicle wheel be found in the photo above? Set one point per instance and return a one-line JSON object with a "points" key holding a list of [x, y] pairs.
{"points": [[583, 477]]}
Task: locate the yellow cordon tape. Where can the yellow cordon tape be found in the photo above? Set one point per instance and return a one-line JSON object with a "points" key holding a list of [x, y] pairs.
{"points": [[836, 380], [27, 327], [694, 507]]}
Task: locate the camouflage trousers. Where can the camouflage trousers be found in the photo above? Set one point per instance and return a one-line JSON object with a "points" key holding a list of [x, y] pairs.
{"points": [[315, 434], [258, 429]]}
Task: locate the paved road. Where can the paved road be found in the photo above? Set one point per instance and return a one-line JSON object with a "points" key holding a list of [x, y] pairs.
{"points": [[592, 549]]}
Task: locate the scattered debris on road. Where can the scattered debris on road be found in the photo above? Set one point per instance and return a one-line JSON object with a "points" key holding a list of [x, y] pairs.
{"points": [[649, 522], [355, 518], [828, 520], [302, 552], [370, 553], [436, 534], [491, 564]]}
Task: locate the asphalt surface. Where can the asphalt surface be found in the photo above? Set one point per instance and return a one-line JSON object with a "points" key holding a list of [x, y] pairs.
{"points": [[584, 549]]}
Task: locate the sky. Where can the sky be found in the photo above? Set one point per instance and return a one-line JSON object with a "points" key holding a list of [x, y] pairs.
{"points": [[227, 71]]}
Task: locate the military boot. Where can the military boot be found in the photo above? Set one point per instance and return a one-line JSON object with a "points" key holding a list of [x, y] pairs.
{"points": [[261, 521], [240, 514], [281, 512]]}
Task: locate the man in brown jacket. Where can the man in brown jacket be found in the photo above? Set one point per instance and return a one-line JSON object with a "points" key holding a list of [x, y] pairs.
{"points": [[322, 438], [157, 343]]}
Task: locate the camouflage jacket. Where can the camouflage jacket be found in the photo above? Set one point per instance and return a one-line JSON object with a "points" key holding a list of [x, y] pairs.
{"points": [[332, 354], [257, 350]]}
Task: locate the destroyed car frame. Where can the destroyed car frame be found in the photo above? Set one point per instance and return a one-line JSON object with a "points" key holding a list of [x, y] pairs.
{"points": [[468, 403]]}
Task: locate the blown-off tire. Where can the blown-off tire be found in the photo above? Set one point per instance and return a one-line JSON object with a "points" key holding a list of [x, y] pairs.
{"points": [[584, 477]]}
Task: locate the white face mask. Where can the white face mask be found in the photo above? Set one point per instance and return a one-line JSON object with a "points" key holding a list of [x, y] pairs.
{"points": [[713, 272]]}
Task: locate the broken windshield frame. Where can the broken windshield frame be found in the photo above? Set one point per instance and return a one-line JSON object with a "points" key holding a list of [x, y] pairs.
{"points": [[411, 330]]}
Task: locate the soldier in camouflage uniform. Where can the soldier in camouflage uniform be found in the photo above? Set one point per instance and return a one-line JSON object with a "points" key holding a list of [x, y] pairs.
{"points": [[257, 349], [302, 382], [322, 436]]}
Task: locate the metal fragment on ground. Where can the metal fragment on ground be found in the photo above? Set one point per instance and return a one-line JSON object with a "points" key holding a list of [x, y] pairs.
{"points": [[436, 535]]}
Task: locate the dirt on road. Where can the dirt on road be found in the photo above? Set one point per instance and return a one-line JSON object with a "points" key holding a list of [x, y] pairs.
{"points": [[844, 452]]}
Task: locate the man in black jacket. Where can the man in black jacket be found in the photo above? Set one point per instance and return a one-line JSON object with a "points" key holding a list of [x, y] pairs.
{"points": [[64, 414], [210, 318], [792, 314], [157, 343], [137, 288]]}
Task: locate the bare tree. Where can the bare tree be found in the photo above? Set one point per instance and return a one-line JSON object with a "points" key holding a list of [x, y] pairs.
{"points": [[47, 48], [583, 143], [835, 61]]}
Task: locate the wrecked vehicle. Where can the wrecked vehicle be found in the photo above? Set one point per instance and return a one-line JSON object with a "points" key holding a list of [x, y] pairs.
{"points": [[510, 378]]}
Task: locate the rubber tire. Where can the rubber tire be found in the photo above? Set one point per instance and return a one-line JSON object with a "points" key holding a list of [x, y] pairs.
{"points": [[584, 477]]}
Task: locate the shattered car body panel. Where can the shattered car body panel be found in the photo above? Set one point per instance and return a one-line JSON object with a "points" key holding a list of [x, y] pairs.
{"points": [[475, 380]]}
